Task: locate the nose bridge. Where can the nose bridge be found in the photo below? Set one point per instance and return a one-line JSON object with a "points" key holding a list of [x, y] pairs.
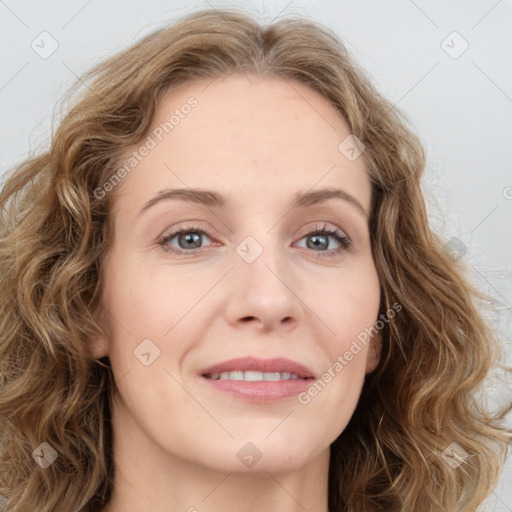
{"points": [[263, 281], [260, 244], [260, 259]]}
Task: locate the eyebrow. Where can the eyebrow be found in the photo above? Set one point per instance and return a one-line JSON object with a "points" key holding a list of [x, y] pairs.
{"points": [[214, 199]]}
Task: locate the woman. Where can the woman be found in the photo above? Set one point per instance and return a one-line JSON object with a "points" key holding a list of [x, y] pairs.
{"points": [[314, 347]]}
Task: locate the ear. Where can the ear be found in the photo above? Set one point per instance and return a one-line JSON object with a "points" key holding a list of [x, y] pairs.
{"points": [[99, 345], [374, 352]]}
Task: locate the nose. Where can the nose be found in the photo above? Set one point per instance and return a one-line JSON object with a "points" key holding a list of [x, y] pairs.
{"points": [[264, 294]]}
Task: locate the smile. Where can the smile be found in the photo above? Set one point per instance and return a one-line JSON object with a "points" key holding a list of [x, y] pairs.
{"points": [[252, 376]]}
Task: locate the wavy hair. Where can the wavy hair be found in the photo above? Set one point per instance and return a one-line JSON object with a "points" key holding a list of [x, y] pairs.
{"points": [[55, 233]]}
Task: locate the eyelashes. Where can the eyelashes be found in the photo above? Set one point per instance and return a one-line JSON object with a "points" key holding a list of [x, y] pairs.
{"points": [[193, 235], [166, 238], [324, 233]]}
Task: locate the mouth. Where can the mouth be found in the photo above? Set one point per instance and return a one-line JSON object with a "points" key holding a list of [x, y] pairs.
{"points": [[254, 376], [258, 380], [253, 369]]}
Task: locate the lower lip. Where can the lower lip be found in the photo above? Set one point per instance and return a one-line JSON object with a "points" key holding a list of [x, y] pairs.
{"points": [[260, 391]]}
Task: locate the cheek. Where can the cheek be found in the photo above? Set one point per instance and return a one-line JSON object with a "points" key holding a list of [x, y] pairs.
{"points": [[147, 302], [155, 303], [349, 307], [334, 395], [351, 302]]}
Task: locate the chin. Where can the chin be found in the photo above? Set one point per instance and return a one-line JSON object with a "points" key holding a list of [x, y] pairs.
{"points": [[249, 457]]}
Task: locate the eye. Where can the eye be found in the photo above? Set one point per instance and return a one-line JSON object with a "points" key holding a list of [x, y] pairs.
{"points": [[188, 240], [320, 239]]}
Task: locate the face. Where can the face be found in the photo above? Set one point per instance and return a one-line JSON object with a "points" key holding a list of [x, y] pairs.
{"points": [[192, 283]]}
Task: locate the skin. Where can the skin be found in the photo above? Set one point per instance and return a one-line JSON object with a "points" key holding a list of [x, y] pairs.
{"points": [[258, 141]]}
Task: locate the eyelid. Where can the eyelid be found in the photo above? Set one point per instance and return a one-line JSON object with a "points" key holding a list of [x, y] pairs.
{"points": [[329, 230], [319, 226], [171, 233]]}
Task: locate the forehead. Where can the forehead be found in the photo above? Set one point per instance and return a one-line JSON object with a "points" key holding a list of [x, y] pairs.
{"points": [[249, 135]]}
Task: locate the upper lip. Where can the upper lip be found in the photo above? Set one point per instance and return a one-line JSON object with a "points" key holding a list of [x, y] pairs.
{"points": [[277, 364]]}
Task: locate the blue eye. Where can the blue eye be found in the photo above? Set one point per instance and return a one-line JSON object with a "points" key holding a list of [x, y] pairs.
{"points": [[189, 240], [320, 239]]}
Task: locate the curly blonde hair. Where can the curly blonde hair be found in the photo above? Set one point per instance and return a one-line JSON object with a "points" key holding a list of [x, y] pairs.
{"points": [[55, 233]]}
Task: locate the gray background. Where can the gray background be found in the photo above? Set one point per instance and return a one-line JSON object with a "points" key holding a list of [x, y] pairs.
{"points": [[459, 101]]}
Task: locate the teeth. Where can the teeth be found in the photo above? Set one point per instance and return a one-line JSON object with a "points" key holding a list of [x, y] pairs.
{"points": [[252, 376]]}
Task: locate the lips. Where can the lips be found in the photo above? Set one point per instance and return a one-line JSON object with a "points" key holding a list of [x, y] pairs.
{"points": [[253, 364], [262, 381]]}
